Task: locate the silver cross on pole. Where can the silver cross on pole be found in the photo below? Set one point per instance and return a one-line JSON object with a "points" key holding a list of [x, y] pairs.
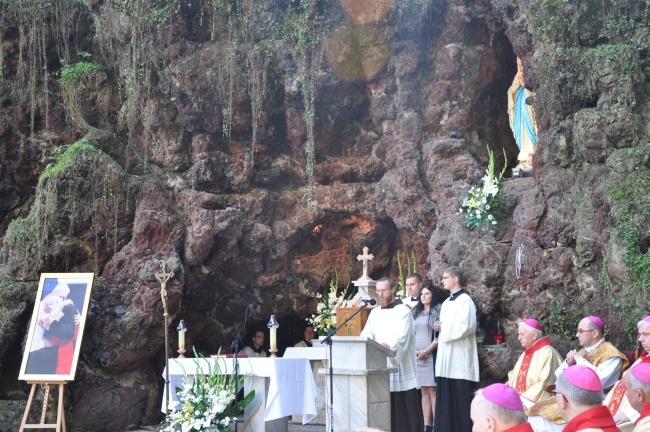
{"points": [[163, 277]]}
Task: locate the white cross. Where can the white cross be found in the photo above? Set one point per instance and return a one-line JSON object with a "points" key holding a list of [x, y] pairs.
{"points": [[365, 257]]}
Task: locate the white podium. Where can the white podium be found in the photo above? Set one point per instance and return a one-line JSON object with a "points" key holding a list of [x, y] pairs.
{"points": [[361, 384]]}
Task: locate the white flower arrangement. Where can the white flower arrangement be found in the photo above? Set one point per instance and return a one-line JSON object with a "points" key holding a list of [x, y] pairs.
{"points": [[207, 402], [324, 319], [482, 205]]}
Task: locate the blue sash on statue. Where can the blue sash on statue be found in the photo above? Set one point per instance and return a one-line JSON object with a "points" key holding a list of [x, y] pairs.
{"points": [[522, 119]]}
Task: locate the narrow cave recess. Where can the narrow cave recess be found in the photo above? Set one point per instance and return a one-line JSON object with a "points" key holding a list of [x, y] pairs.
{"points": [[489, 116]]}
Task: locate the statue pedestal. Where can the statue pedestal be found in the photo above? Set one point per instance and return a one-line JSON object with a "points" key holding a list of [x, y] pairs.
{"points": [[366, 289]]}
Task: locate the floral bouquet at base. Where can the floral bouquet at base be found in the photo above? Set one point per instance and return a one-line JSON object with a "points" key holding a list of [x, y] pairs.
{"points": [[324, 319], [207, 402], [482, 206]]}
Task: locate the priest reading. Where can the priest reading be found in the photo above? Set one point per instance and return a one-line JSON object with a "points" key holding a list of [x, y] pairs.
{"points": [[392, 326]]}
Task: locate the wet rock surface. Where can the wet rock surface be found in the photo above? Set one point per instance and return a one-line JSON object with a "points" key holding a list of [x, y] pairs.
{"points": [[202, 165]]}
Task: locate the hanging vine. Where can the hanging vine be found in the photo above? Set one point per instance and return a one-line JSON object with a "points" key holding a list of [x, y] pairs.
{"points": [[38, 22], [304, 27]]}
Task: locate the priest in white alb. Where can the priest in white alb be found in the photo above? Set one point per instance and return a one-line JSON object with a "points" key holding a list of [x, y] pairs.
{"points": [[392, 325], [535, 368]]}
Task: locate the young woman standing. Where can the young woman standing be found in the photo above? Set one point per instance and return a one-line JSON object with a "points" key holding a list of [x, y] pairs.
{"points": [[425, 313]]}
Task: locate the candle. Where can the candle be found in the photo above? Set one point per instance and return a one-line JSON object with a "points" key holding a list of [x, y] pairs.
{"points": [[181, 335], [274, 343], [273, 328]]}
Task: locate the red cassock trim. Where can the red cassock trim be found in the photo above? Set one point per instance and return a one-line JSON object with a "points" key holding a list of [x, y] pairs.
{"points": [[521, 385]]}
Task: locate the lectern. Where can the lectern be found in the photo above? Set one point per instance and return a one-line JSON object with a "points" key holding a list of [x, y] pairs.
{"points": [[355, 325], [361, 384]]}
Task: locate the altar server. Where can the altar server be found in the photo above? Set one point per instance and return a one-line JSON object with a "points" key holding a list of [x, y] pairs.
{"points": [[457, 370]]}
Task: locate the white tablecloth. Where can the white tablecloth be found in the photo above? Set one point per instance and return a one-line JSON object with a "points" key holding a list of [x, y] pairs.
{"points": [[291, 387]]}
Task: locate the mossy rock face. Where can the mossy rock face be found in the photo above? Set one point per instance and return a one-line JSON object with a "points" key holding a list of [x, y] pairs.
{"points": [[11, 415], [16, 305], [83, 199], [598, 131]]}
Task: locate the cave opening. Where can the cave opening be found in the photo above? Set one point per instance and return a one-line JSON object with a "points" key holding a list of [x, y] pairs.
{"points": [[489, 117]]}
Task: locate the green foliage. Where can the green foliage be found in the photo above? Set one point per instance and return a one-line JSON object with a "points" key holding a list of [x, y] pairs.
{"points": [[156, 13], [303, 28], [630, 208], [632, 203], [303, 25], [411, 267], [23, 231], [64, 156], [564, 313], [5, 282], [584, 38], [70, 73]]}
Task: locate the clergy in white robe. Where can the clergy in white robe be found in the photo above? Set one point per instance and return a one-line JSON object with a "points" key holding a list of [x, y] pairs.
{"points": [[534, 370], [596, 354], [637, 382], [392, 326], [616, 401], [457, 369], [256, 348]]}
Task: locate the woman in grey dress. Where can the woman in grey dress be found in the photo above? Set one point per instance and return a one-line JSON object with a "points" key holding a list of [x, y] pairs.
{"points": [[425, 313]]}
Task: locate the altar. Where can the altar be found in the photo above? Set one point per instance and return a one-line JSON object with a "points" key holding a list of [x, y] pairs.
{"points": [[283, 387], [317, 356]]}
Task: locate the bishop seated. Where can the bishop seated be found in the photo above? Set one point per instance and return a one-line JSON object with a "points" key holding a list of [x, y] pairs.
{"points": [[535, 368], [625, 415], [596, 354]]}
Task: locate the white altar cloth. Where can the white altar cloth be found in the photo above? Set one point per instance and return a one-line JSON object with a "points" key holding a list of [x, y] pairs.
{"points": [[291, 387]]}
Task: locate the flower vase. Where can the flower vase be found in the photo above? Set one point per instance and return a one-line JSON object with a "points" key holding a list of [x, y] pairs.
{"points": [[486, 231]]}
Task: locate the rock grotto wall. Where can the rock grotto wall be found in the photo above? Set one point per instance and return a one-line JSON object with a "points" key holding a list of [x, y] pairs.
{"points": [[256, 147]]}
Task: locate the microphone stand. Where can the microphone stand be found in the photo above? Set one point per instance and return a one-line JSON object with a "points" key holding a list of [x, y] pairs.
{"points": [[235, 349], [328, 341]]}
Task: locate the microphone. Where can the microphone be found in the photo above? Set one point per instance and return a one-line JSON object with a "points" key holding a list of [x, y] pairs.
{"points": [[369, 302], [252, 306]]}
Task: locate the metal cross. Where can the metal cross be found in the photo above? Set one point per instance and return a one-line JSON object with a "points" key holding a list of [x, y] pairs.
{"points": [[163, 277]]}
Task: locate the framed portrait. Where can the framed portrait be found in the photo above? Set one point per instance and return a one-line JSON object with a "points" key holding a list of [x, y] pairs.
{"points": [[56, 328]]}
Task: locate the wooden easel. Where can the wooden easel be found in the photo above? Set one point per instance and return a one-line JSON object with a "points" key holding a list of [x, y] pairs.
{"points": [[60, 414]]}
